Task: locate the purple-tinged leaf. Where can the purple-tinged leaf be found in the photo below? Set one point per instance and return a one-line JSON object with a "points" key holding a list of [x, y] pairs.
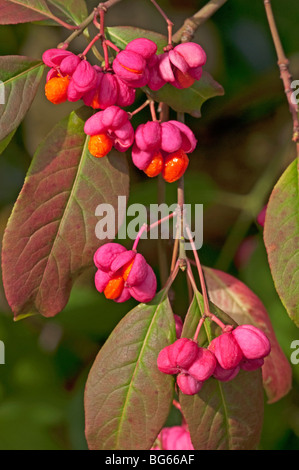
{"points": [[127, 399], [50, 238], [188, 100], [23, 11], [231, 295], [20, 77], [281, 236], [223, 415]]}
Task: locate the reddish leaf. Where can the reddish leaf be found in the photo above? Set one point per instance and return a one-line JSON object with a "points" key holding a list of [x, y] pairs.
{"points": [[281, 236], [23, 11], [127, 399], [4, 214], [223, 415], [244, 306], [21, 77], [50, 237]]}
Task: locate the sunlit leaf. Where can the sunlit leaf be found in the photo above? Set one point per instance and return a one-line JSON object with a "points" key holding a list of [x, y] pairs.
{"points": [[281, 236]]}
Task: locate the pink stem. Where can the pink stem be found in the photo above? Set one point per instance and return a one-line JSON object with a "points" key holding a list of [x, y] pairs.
{"points": [[203, 283], [216, 320], [113, 46], [143, 229], [146, 228], [200, 323], [200, 272], [207, 313], [95, 39], [146, 103], [176, 405], [102, 35], [169, 23], [106, 54], [153, 111], [64, 24]]}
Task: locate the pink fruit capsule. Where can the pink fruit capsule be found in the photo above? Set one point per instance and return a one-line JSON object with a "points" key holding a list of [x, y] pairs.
{"points": [[253, 343], [203, 366], [226, 350], [188, 385]]}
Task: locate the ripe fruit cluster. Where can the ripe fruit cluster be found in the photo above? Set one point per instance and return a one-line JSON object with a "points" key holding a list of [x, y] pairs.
{"points": [[139, 65], [241, 348], [123, 274], [159, 148], [162, 147]]}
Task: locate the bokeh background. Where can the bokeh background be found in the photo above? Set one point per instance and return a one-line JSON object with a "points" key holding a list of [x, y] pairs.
{"points": [[244, 145]]}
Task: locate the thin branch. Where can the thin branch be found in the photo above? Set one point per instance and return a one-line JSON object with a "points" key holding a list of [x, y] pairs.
{"points": [[102, 6], [283, 64], [169, 24], [187, 31]]}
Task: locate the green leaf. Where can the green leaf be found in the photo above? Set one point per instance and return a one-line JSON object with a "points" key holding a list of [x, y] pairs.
{"points": [[281, 236], [188, 100], [223, 415], [74, 10], [122, 35], [50, 238], [127, 399], [21, 77], [5, 142]]}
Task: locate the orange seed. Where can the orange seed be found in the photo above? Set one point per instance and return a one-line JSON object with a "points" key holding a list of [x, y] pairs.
{"points": [[155, 166], [127, 269], [175, 166], [56, 89], [114, 288], [184, 79], [99, 145]]}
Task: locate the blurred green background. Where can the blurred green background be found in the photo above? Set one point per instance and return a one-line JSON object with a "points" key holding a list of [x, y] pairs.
{"points": [[243, 147]]}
